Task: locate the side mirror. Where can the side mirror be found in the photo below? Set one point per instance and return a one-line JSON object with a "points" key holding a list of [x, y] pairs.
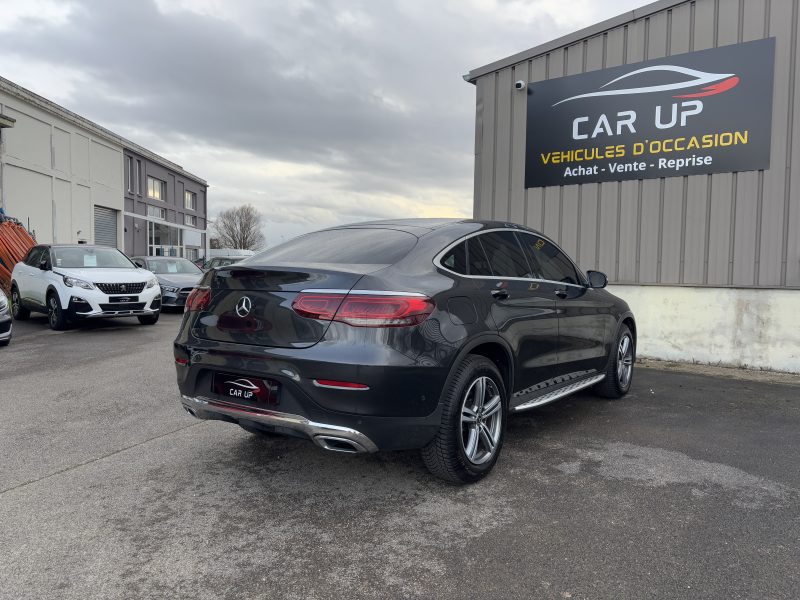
{"points": [[43, 265], [597, 279]]}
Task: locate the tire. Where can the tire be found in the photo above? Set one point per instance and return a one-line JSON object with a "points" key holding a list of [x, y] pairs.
{"points": [[462, 452], [5, 342], [149, 319], [19, 312], [55, 314], [619, 372]]}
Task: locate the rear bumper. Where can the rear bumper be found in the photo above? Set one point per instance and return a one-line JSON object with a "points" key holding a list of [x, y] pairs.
{"points": [[399, 411], [331, 437]]}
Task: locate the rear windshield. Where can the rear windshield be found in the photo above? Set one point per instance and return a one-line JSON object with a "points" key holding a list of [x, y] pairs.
{"points": [[342, 246], [172, 265], [223, 262], [91, 257]]}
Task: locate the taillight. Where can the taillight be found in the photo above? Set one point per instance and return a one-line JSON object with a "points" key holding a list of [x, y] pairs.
{"points": [[364, 310], [317, 306], [198, 299]]}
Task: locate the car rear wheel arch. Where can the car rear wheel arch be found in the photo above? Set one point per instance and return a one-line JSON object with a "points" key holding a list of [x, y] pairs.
{"points": [[495, 349]]}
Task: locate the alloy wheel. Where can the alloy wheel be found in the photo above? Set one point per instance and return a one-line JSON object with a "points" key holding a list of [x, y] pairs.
{"points": [[15, 303], [52, 311], [481, 420], [624, 361]]}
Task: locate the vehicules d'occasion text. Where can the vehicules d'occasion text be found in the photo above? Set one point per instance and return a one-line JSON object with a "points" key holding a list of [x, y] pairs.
{"points": [[402, 334]]}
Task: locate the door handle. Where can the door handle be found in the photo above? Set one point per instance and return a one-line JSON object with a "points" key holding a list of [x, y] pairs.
{"points": [[501, 294], [561, 293]]}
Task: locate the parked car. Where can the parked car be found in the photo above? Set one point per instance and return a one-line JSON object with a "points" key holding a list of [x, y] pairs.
{"points": [[73, 282], [6, 326], [402, 334], [176, 276], [222, 261]]}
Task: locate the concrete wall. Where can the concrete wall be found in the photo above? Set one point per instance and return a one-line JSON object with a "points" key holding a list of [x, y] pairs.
{"points": [[734, 327], [54, 173]]}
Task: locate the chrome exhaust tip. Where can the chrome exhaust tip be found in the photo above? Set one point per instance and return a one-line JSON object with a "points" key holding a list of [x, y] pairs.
{"points": [[339, 444]]}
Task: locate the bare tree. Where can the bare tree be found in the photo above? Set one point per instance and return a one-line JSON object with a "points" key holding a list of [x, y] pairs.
{"points": [[239, 228]]}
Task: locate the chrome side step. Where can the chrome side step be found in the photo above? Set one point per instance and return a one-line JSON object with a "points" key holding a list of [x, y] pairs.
{"points": [[560, 393]]}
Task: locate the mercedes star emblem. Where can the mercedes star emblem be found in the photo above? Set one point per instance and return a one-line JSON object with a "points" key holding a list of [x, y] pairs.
{"points": [[243, 306]]}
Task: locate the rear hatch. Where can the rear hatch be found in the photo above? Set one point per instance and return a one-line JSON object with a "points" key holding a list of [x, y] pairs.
{"points": [[251, 302], [253, 305]]}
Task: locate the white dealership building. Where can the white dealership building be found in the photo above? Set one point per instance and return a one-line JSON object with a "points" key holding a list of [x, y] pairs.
{"points": [[69, 180]]}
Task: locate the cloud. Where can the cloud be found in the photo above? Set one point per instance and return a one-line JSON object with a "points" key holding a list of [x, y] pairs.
{"points": [[316, 112]]}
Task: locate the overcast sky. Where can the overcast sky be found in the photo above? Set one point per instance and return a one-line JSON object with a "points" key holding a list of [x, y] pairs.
{"points": [[318, 112]]}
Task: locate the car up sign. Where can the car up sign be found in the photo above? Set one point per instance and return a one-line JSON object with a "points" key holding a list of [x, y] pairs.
{"points": [[702, 112]]}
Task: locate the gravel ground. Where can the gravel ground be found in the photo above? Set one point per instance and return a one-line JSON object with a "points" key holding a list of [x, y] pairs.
{"points": [[687, 488]]}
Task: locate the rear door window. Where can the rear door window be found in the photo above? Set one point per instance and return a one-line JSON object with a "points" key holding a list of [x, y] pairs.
{"points": [[505, 255], [358, 246], [478, 263]]}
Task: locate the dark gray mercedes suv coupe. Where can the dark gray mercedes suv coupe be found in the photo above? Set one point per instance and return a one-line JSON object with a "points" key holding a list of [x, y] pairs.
{"points": [[418, 333]]}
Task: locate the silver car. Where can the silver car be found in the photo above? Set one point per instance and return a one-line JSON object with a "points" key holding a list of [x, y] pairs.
{"points": [[5, 320], [177, 277]]}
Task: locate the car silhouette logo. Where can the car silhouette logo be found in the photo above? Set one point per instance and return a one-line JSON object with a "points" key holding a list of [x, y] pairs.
{"points": [[243, 306], [244, 383], [715, 83]]}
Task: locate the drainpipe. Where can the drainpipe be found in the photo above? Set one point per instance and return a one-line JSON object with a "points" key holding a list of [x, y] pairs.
{"points": [[5, 123]]}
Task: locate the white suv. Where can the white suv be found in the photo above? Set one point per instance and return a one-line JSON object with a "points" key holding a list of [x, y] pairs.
{"points": [[72, 282]]}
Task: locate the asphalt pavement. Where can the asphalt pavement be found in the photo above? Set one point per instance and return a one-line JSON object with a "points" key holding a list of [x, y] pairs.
{"points": [[687, 488]]}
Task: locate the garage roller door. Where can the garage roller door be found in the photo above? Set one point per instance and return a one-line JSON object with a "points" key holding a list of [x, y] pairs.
{"points": [[105, 226]]}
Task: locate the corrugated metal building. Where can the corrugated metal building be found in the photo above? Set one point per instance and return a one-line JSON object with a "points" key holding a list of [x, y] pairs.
{"points": [[710, 263]]}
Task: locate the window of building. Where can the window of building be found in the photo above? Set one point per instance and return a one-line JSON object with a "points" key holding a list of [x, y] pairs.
{"points": [[156, 188], [137, 182], [192, 253], [157, 212], [164, 240], [190, 200], [190, 220], [129, 173]]}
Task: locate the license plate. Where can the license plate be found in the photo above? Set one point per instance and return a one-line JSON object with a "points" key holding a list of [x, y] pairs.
{"points": [[250, 389], [115, 299]]}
